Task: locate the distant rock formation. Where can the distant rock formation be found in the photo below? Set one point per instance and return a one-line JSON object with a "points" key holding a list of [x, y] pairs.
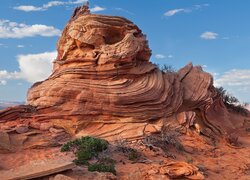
{"points": [[103, 84]]}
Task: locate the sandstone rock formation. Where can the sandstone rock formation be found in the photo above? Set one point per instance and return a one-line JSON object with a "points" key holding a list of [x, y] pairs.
{"points": [[37, 169], [103, 84]]}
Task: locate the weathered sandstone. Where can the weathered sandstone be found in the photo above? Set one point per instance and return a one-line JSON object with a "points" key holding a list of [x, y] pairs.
{"points": [[103, 84]]}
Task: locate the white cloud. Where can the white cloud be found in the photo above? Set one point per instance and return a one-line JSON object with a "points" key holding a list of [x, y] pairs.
{"points": [[10, 29], [3, 82], [236, 81], [160, 56], [32, 67], [44, 7], [173, 12], [235, 77], [36, 67], [97, 9], [8, 75], [209, 35], [28, 8], [20, 46]]}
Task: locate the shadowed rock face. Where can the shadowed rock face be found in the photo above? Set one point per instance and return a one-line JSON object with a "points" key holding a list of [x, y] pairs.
{"points": [[103, 84]]}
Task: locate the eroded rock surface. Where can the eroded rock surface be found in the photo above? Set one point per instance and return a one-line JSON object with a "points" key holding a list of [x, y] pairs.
{"points": [[103, 84]]}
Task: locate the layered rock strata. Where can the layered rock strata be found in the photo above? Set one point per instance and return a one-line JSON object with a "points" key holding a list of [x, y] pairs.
{"points": [[103, 84]]}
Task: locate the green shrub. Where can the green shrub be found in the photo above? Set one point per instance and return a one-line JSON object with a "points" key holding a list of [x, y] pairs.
{"points": [[133, 155], [103, 165], [82, 157], [85, 148]]}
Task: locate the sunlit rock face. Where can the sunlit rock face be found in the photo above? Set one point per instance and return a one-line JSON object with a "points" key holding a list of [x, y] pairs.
{"points": [[103, 75], [103, 84]]}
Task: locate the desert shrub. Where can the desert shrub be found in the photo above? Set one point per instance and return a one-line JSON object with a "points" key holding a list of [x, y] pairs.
{"points": [[85, 148], [122, 146], [231, 102], [103, 165], [171, 137], [167, 138], [100, 167], [133, 155], [166, 68]]}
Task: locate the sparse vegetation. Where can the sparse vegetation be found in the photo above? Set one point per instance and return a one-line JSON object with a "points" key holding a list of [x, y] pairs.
{"points": [[122, 146], [133, 155], [103, 165], [171, 138], [231, 102], [85, 148], [166, 68], [88, 147], [166, 139]]}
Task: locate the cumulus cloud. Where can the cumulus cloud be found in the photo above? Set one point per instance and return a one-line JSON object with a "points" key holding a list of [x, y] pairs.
{"points": [[8, 75], [235, 77], [10, 29], [20, 46], [35, 67], [97, 9], [32, 67], [5, 75], [209, 35], [44, 7], [237, 81], [173, 12]]}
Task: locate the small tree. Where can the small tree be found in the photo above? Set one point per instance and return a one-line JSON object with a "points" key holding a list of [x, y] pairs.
{"points": [[232, 102]]}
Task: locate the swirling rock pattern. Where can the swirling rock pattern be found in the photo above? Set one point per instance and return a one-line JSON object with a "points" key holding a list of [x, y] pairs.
{"points": [[103, 84], [177, 170]]}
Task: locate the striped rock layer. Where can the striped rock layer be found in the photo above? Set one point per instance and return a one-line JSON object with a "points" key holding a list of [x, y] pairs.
{"points": [[103, 84]]}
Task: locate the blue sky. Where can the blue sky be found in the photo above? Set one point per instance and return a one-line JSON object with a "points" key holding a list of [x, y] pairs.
{"points": [[211, 33]]}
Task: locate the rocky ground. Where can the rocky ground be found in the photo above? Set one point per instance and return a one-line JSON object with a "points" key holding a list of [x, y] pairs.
{"points": [[176, 154]]}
